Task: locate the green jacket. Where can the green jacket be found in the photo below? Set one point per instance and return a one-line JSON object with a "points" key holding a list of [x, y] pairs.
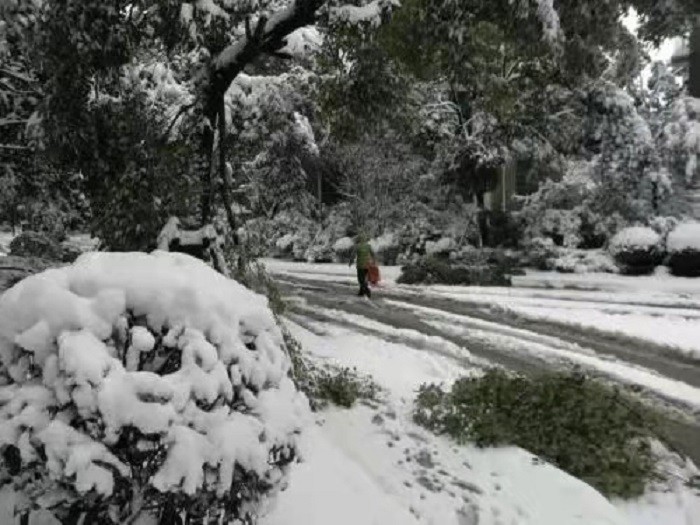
{"points": [[363, 255]]}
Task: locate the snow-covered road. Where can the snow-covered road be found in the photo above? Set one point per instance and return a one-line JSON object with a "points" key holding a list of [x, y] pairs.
{"points": [[643, 333]]}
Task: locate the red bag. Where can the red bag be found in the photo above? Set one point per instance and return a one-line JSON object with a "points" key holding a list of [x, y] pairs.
{"points": [[373, 274]]}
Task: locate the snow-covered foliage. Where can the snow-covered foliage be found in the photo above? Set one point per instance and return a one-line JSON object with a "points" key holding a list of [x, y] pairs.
{"points": [[684, 249], [626, 167], [686, 236], [558, 210], [144, 383], [369, 13], [442, 246], [615, 178], [637, 249], [682, 137], [551, 27], [634, 238], [582, 261], [344, 249]]}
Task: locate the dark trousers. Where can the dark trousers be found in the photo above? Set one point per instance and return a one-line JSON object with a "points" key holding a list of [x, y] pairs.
{"points": [[362, 279]]}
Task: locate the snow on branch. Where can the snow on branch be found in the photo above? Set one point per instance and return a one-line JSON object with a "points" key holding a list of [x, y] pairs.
{"points": [[549, 18], [268, 36], [369, 13]]}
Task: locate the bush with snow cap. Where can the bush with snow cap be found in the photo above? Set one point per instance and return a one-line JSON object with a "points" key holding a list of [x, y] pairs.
{"points": [[344, 249], [684, 249], [637, 250], [136, 383]]}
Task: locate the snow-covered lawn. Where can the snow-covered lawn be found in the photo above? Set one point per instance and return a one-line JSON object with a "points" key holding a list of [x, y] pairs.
{"points": [[372, 464]]}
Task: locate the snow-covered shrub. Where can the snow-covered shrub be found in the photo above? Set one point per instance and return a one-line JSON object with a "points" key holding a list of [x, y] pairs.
{"points": [[583, 261], [284, 246], [440, 248], [144, 384], [386, 248], [684, 249], [344, 249], [430, 270], [35, 244], [637, 250], [326, 384], [557, 210], [539, 252], [499, 409]]}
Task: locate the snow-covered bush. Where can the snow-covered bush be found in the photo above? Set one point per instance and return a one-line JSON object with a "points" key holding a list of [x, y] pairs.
{"points": [[637, 250], [558, 209], [284, 246], [499, 409], [430, 270], [539, 252], [583, 261], [144, 384], [344, 249], [684, 249], [386, 248], [440, 248]]}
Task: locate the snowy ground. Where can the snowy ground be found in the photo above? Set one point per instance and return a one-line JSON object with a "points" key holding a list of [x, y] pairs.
{"points": [[372, 464], [633, 331]]}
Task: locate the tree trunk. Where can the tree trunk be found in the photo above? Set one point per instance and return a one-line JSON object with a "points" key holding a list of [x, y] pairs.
{"points": [[269, 36], [223, 185], [205, 174], [694, 60]]}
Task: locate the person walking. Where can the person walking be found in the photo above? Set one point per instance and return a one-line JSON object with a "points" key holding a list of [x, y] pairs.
{"points": [[364, 256]]}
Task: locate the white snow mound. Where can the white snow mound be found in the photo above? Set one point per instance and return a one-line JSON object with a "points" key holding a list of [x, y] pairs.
{"points": [[160, 343], [685, 236]]}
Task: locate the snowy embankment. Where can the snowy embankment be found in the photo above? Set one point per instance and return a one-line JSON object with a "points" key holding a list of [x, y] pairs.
{"points": [[372, 464]]}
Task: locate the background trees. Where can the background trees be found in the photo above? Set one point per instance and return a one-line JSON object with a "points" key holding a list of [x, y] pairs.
{"points": [[194, 108]]}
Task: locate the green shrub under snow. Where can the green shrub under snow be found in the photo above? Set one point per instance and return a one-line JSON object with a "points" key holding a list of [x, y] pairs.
{"points": [[637, 250], [431, 270], [325, 385], [591, 431], [684, 250]]}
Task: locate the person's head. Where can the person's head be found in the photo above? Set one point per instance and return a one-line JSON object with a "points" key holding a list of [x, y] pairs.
{"points": [[361, 237]]}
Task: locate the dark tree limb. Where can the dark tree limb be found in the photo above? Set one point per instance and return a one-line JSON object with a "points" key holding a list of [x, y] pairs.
{"points": [[223, 178], [269, 36]]}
